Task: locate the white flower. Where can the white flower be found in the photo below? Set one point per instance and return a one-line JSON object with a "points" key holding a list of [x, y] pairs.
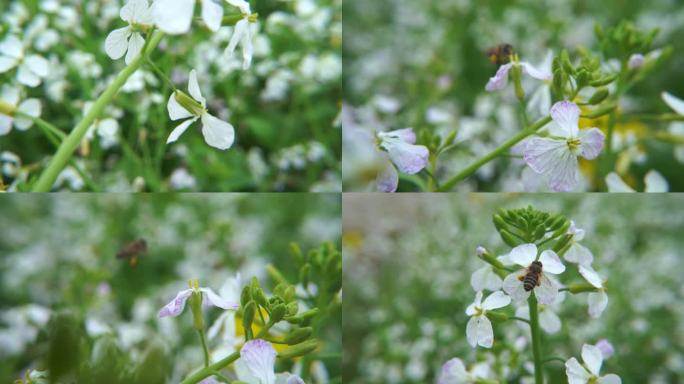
{"points": [[454, 372], [127, 39], [479, 328], [217, 133], [224, 326], [589, 372], [209, 298], [676, 128], [654, 181], [404, 153], [548, 319], [485, 278], [540, 101], [557, 155], [500, 79], [32, 68], [577, 253], [256, 365], [546, 290], [241, 33], [175, 16], [597, 301], [30, 107]]}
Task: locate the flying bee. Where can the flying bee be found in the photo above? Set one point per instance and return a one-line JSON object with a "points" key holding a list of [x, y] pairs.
{"points": [[501, 54], [532, 277], [132, 250]]}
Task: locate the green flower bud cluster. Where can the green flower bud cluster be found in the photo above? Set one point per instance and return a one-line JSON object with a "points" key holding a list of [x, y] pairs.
{"points": [[434, 142], [586, 73], [623, 40], [528, 225]]}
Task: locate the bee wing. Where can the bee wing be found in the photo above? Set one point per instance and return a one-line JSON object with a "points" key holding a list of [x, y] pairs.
{"points": [[546, 291]]}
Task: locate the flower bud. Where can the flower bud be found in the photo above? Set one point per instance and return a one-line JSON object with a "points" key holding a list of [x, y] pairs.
{"points": [[603, 81], [304, 274], [248, 316], [196, 307], [603, 110], [497, 316], [582, 287], [566, 63], [499, 222], [292, 308], [562, 242], [598, 96], [562, 229], [299, 349], [277, 313], [508, 238], [450, 138], [298, 335], [516, 76], [245, 296], [296, 253], [304, 316]]}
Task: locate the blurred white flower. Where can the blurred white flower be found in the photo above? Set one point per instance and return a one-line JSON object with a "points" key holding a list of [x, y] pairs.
{"points": [[485, 279], [500, 79], [209, 298], [479, 329], [175, 16], [182, 179], [223, 327], [589, 372], [606, 348], [548, 319], [242, 33], [577, 253], [404, 154], [454, 372], [546, 290], [9, 96], [654, 181], [32, 68], [597, 301], [256, 365], [128, 40], [217, 133]]}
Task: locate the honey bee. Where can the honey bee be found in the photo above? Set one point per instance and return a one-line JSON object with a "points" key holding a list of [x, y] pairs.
{"points": [[132, 250], [532, 277], [501, 54]]}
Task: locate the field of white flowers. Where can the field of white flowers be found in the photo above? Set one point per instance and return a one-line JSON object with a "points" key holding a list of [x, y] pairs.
{"points": [[72, 309], [94, 95], [411, 269]]}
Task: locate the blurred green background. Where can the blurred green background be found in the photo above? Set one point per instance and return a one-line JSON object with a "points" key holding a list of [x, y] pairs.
{"points": [[407, 266], [58, 253]]}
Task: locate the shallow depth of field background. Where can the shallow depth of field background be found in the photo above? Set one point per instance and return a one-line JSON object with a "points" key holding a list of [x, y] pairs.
{"points": [[422, 64], [59, 253], [284, 108], [407, 266]]}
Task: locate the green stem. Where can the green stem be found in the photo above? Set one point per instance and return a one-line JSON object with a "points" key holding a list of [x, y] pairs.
{"points": [[208, 371], [554, 358], [204, 347], [69, 145], [493, 154], [536, 340], [519, 319]]}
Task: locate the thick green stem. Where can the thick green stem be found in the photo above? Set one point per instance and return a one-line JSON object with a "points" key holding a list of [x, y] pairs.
{"points": [[69, 145], [493, 154], [208, 371], [204, 347], [536, 340]]}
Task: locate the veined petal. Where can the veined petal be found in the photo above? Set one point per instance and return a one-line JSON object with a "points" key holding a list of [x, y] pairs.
{"points": [[212, 13], [591, 276], [453, 371], [598, 301], [37, 64], [176, 111], [523, 254], [514, 287], [287, 378], [547, 291], [566, 114], [500, 79], [471, 331], [591, 143], [256, 363], [239, 30], [551, 262], [116, 42], [135, 44], [542, 153], [610, 379], [673, 102], [212, 299], [27, 77], [194, 89], [563, 178], [534, 72], [407, 157], [576, 372], [405, 134], [549, 321], [655, 182], [616, 184], [175, 307], [388, 179], [217, 133], [496, 300], [591, 355], [11, 46], [173, 16], [485, 333], [179, 130]]}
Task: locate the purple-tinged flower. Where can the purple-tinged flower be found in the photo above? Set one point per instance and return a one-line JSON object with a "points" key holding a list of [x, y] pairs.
{"points": [[557, 155], [606, 348], [257, 365], [636, 61], [209, 298], [454, 372], [500, 79], [403, 153], [589, 372], [547, 290]]}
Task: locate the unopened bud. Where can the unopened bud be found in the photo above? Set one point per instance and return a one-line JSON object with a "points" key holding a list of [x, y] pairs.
{"points": [[298, 335], [304, 316], [508, 238], [582, 287], [277, 313], [603, 81], [598, 96], [604, 110], [562, 242], [497, 316], [245, 296], [299, 349], [248, 315], [566, 63]]}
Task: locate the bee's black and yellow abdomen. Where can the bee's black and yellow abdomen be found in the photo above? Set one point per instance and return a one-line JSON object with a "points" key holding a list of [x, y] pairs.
{"points": [[530, 281]]}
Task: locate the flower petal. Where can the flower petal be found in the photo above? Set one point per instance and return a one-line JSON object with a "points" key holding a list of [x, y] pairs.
{"points": [[655, 182], [576, 372], [7, 63], [38, 65], [388, 179], [256, 363], [212, 13], [591, 276], [610, 379], [500, 79], [453, 371], [523, 254], [217, 133], [616, 184], [173, 16], [116, 42], [591, 143], [485, 333], [27, 77], [30, 107], [563, 177], [566, 114], [542, 153], [534, 72], [471, 331], [485, 278], [606, 348], [598, 301], [175, 307], [592, 358], [549, 321], [513, 286], [551, 262], [579, 254], [407, 157], [673, 102], [239, 30], [136, 11], [242, 5], [405, 134], [12, 47], [247, 48], [212, 299], [5, 124], [176, 111], [175, 134], [194, 89], [135, 45], [496, 300], [547, 291]]}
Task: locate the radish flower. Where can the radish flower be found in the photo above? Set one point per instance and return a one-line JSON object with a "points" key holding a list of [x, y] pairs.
{"points": [[589, 372], [256, 365], [31, 69], [9, 98], [241, 33], [454, 372], [217, 133], [175, 16], [209, 298], [479, 329], [500, 79], [654, 183], [403, 153], [128, 40], [557, 155], [546, 290]]}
